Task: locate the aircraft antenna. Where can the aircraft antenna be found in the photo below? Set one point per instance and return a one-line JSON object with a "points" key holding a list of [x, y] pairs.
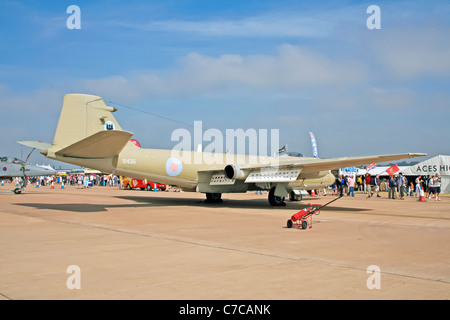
{"points": [[150, 113]]}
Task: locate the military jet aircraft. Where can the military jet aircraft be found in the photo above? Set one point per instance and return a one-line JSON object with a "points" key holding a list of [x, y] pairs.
{"points": [[12, 167], [88, 135]]}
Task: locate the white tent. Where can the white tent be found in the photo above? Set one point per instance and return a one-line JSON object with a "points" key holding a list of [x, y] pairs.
{"points": [[439, 164]]}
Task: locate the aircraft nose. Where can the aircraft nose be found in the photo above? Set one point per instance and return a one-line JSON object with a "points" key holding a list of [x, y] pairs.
{"points": [[37, 171]]}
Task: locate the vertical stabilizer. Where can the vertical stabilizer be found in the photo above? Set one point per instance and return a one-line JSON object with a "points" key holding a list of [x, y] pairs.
{"points": [[83, 115]]}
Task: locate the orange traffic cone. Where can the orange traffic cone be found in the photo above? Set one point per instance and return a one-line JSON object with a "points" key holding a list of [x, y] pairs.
{"points": [[313, 194], [422, 195], [53, 185]]}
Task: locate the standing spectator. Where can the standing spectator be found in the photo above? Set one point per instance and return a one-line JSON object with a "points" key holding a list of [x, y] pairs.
{"points": [[418, 182], [346, 185], [368, 186], [339, 186], [411, 189], [360, 186], [437, 186], [401, 186], [351, 185], [85, 182], [386, 186], [377, 183], [430, 186], [392, 187]]}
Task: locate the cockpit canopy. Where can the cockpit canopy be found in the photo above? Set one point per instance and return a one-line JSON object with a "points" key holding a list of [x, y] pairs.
{"points": [[11, 160]]}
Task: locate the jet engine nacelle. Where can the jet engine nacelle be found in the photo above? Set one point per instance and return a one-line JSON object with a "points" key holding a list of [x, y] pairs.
{"points": [[234, 172]]}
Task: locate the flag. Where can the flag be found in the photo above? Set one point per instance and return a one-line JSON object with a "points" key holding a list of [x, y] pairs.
{"points": [[282, 150], [371, 166], [390, 171], [314, 145]]}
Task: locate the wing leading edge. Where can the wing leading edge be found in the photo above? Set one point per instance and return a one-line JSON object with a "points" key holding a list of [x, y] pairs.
{"points": [[313, 165], [289, 169]]}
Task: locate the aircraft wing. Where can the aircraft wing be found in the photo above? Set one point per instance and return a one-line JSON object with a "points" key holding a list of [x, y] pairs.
{"points": [[315, 164], [291, 169]]}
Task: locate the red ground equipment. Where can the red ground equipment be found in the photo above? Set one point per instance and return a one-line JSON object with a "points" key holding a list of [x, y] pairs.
{"points": [[303, 218], [129, 184]]}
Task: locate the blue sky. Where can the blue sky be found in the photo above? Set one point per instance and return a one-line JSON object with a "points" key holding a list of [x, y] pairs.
{"points": [[288, 65]]}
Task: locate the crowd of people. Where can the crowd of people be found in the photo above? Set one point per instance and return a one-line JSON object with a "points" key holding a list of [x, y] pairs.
{"points": [[79, 180], [346, 185]]}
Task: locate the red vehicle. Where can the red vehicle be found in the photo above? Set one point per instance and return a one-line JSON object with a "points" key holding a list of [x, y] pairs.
{"points": [[129, 184]]}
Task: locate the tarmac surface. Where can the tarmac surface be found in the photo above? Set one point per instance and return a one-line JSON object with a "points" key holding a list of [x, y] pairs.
{"points": [[168, 245]]}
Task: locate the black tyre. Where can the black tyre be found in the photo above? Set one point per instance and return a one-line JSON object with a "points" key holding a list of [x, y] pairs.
{"points": [[289, 223], [304, 225], [213, 197], [295, 197], [274, 200]]}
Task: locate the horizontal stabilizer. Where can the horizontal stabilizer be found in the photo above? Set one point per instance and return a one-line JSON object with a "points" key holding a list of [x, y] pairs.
{"points": [[103, 144], [36, 144]]}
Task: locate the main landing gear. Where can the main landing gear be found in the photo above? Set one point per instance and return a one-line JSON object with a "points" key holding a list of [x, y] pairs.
{"points": [[274, 200], [213, 198]]}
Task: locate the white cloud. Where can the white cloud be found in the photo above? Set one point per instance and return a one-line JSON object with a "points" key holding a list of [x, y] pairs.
{"points": [[293, 69], [389, 99], [413, 52], [270, 25]]}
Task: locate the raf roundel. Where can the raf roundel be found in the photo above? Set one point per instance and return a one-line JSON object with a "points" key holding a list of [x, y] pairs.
{"points": [[4, 169], [173, 167]]}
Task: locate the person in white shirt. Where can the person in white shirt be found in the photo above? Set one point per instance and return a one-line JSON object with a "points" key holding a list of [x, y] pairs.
{"points": [[401, 184], [430, 186], [437, 186], [418, 182]]}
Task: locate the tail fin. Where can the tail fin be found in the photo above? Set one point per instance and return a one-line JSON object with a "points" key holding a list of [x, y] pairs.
{"points": [[86, 129], [83, 115]]}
